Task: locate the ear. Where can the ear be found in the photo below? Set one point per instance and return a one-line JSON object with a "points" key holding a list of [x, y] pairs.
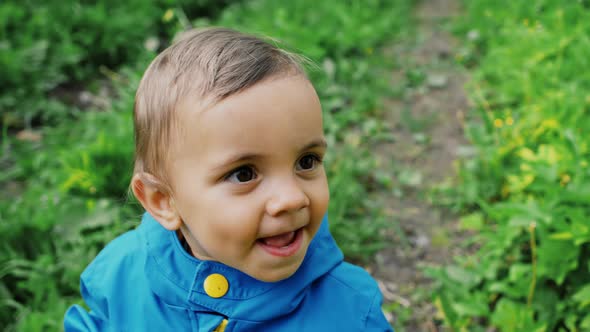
{"points": [[155, 200]]}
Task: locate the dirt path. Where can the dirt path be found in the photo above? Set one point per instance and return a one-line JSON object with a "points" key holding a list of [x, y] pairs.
{"points": [[427, 126]]}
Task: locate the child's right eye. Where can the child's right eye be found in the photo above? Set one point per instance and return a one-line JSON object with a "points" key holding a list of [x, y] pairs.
{"points": [[242, 174]]}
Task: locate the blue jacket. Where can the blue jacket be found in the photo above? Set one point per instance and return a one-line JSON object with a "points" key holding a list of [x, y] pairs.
{"points": [[145, 281]]}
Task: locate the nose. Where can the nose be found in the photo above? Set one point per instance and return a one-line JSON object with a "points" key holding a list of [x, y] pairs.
{"points": [[287, 197]]}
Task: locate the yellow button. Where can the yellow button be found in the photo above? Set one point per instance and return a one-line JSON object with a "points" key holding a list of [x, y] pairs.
{"points": [[216, 285]]}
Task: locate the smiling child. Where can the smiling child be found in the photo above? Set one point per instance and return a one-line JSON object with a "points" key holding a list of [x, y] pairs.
{"points": [[229, 149]]}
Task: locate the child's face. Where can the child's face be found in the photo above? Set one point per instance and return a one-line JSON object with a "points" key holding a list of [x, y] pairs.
{"points": [[248, 179]]}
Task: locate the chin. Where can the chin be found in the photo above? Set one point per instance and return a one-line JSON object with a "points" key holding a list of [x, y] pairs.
{"points": [[276, 275], [274, 278]]}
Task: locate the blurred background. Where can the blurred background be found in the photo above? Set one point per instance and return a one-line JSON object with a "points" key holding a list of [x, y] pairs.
{"points": [[458, 162]]}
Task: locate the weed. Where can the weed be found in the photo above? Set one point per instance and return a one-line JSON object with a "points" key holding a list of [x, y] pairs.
{"points": [[526, 184]]}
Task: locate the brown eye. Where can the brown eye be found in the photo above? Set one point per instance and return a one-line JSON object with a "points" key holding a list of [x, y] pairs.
{"points": [[308, 162], [242, 175]]}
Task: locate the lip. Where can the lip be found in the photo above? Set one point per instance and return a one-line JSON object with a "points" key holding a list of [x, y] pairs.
{"points": [[285, 251]]}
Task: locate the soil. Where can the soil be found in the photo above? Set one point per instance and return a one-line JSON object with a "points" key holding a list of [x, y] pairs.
{"points": [[427, 124]]}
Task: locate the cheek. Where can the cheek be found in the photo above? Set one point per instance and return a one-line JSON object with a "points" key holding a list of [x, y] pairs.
{"points": [[321, 198], [234, 217]]}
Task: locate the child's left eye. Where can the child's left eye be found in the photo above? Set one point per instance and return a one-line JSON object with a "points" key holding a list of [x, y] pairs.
{"points": [[308, 162]]}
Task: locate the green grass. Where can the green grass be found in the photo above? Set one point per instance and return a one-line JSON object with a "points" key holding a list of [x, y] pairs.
{"points": [[525, 192], [68, 193], [51, 50]]}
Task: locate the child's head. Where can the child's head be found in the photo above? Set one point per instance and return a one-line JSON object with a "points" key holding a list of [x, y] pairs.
{"points": [[229, 148]]}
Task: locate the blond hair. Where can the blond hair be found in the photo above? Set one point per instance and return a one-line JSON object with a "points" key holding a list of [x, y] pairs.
{"points": [[208, 64]]}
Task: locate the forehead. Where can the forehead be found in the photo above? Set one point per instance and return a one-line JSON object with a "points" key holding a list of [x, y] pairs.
{"points": [[280, 113]]}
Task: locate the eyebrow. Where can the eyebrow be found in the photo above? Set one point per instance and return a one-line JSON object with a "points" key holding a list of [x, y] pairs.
{"points": [[318, 143], [238, 158]]}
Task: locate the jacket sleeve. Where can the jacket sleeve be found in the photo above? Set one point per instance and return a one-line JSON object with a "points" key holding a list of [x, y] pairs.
{"points": [[78, 319], [375, 320]]}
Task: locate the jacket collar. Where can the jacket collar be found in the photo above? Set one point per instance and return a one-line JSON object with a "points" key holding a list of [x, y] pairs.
{"points": [[177, 278]]}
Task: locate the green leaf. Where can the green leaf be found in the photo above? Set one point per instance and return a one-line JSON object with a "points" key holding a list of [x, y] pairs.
{"points": [[462, 276], [519, 272], [511, 316], [556, 258], [582, 296], [443, 304], [561, 236], [473, 221]]}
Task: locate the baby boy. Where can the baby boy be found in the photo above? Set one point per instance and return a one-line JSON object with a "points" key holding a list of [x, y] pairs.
{"points": [[228, 166]]}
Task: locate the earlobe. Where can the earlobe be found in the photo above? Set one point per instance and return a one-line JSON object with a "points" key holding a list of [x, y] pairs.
{"points": [[155, 200]]}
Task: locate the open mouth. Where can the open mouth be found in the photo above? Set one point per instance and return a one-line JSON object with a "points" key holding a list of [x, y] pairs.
{"points": [[282, 245]]}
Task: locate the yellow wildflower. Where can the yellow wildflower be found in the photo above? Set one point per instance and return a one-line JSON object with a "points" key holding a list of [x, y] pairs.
{"points": [[168, 15], [550, 124], [525, 167], [498, 123], [549, 154], [527, 154], [565, 179], [518, 183], [509, 121]]}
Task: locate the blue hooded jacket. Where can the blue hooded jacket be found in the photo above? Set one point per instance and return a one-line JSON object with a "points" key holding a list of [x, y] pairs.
{"points": [[145, 281]]}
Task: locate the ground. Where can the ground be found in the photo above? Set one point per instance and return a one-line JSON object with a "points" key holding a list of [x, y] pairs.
{"points": [[427, 125]]}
